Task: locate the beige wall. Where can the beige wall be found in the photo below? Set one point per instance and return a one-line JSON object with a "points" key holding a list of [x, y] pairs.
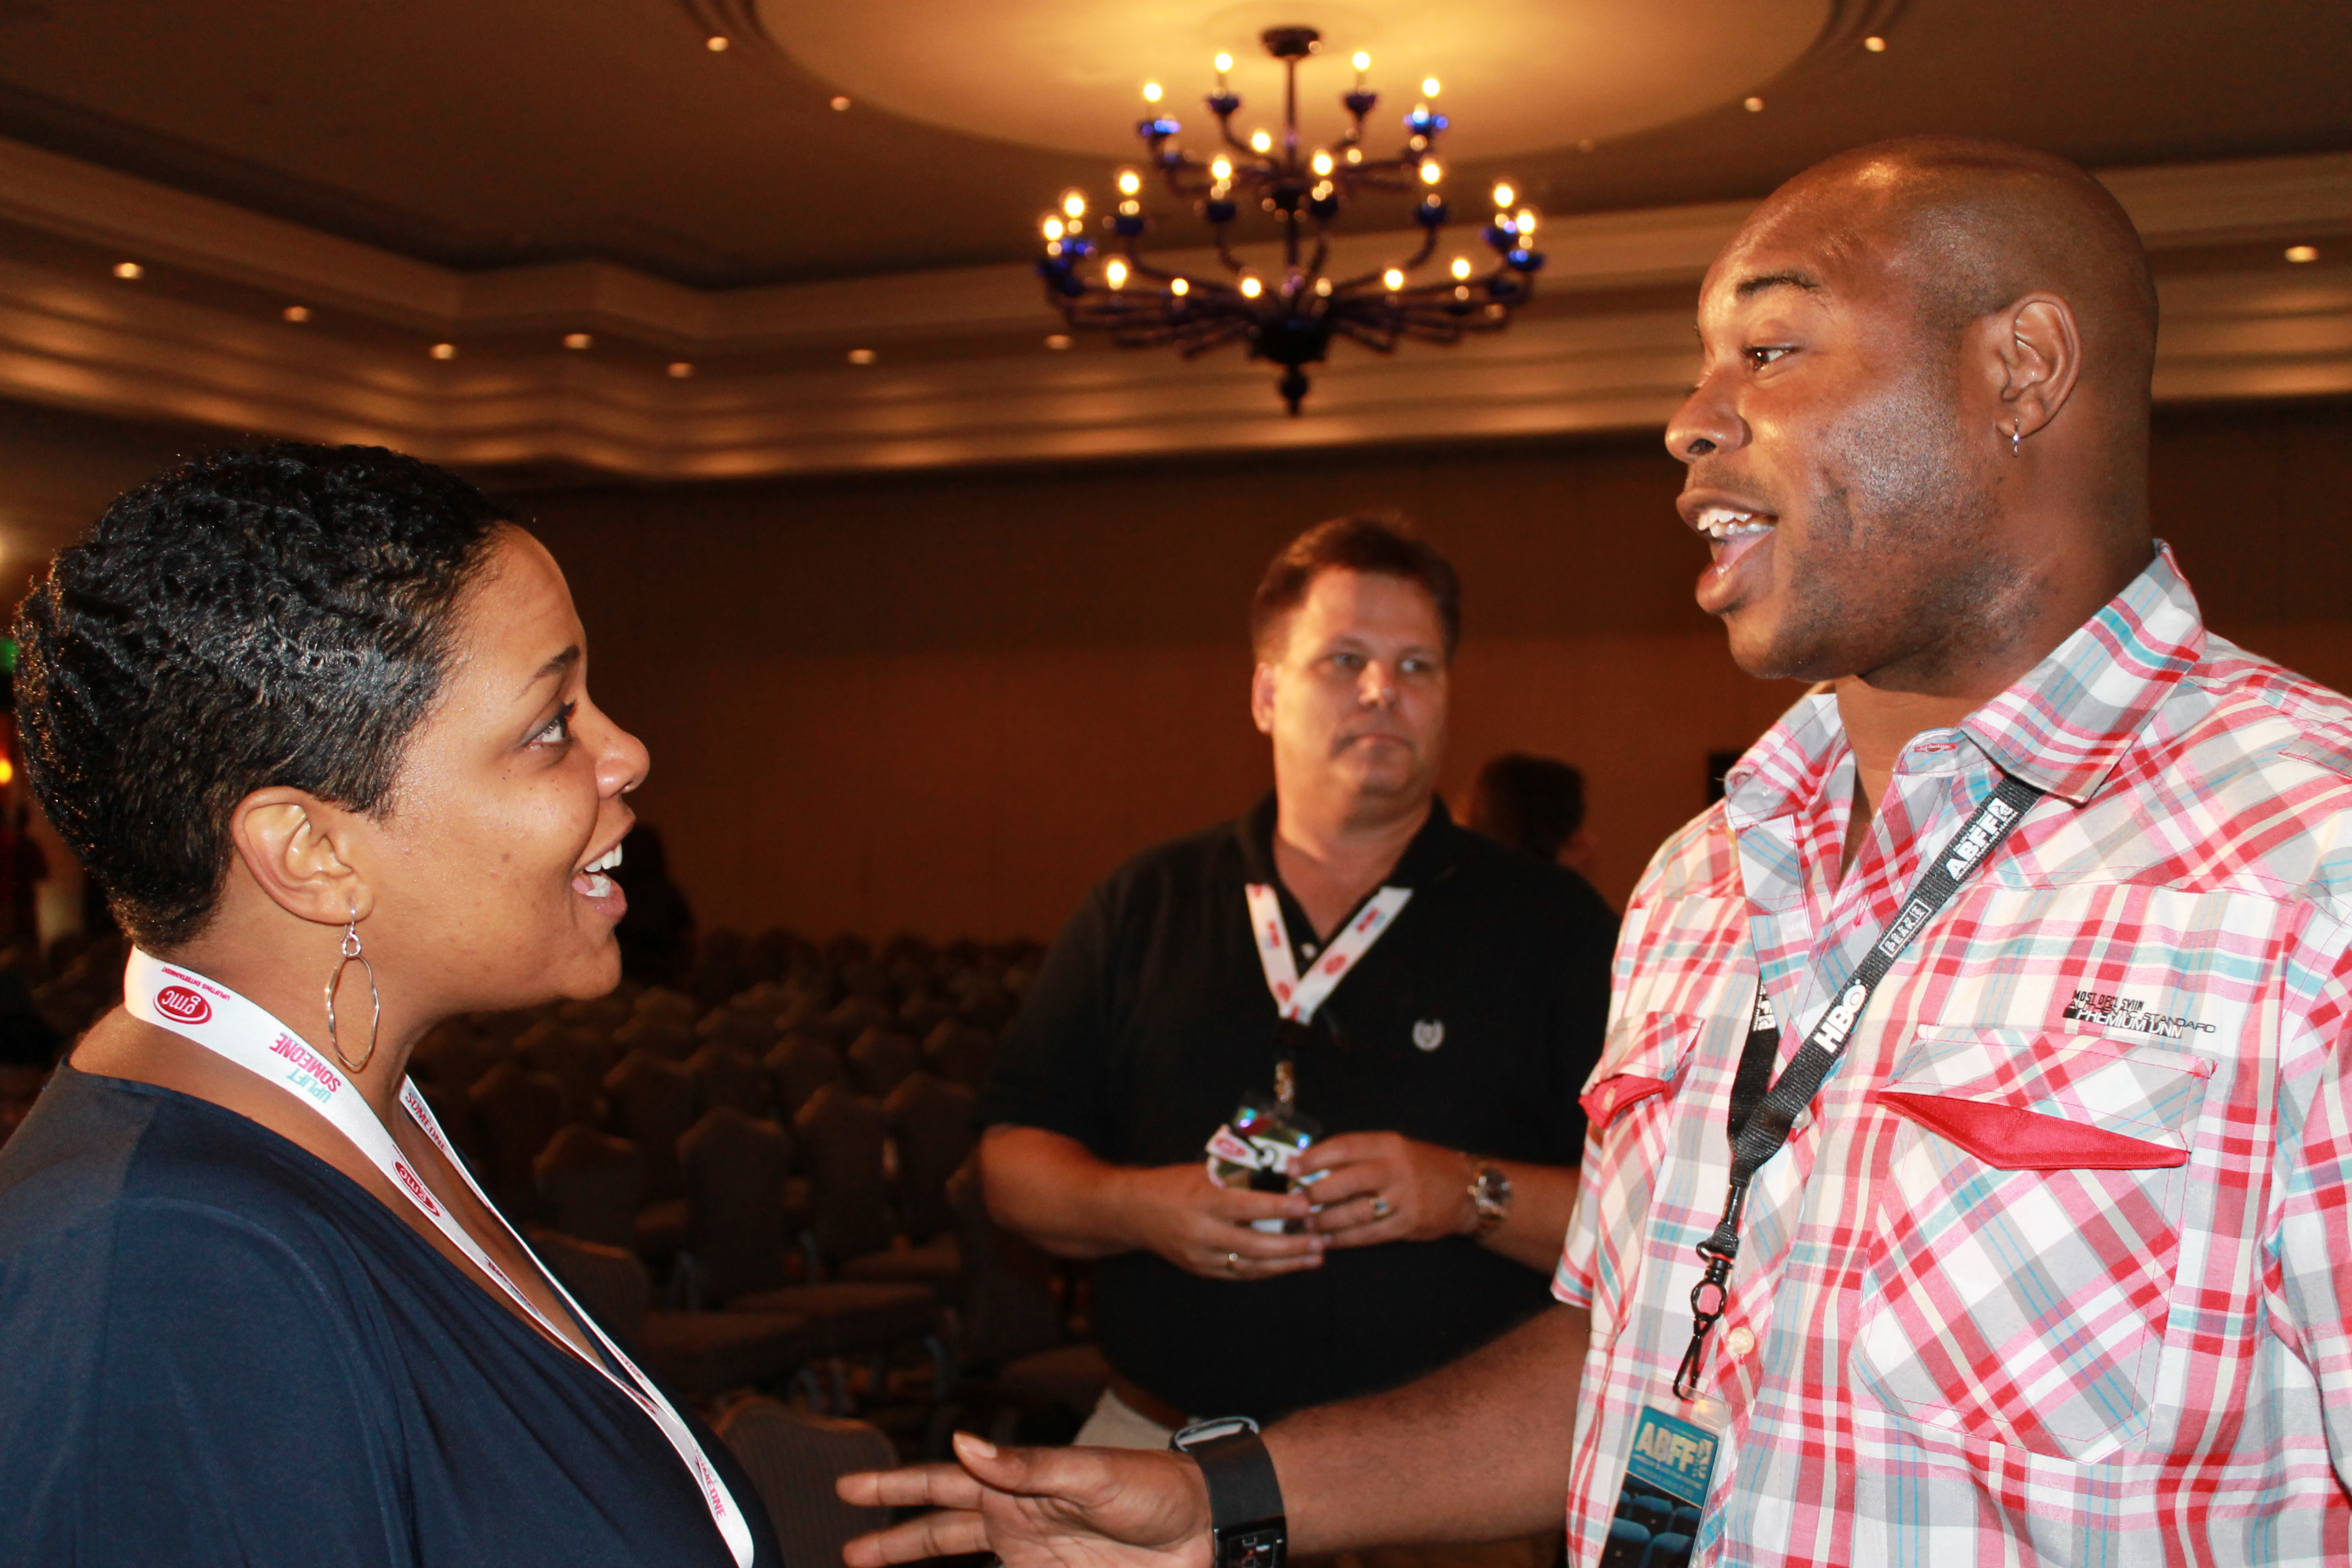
{"points": [[951, 702]]}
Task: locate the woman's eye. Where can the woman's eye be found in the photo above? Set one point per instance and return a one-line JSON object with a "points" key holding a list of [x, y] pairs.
{"points": [[558, 730]]}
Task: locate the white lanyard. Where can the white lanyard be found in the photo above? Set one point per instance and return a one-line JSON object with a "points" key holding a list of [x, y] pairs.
{"points": [[228, 1026], [1297, 998]]}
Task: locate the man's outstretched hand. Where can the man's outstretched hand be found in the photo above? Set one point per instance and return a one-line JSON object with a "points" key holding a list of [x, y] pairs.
{"points": [[1040, 1508]]}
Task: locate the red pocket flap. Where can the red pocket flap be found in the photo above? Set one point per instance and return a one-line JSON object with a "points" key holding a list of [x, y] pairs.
{"points": [[2008, 1139], [1605, 1100]]}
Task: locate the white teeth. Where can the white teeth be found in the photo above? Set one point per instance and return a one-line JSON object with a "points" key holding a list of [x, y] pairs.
{"points": [[1721, 522], [599, 885], [605, 862]]}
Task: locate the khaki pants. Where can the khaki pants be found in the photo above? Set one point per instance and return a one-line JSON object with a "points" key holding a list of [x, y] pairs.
{"points": [[1115, 1425]]}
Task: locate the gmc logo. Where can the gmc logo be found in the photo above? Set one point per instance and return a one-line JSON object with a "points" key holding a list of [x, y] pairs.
{"points": [[179, 1001]]}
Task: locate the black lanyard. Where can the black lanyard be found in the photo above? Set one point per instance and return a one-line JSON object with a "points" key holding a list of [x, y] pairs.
{"points": [[1760, 1118]]}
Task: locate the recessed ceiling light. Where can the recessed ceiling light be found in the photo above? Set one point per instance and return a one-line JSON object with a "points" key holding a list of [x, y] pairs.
{"points": [[295, 313], [861, 356], [1587, 146], [128, 271], [1874, 44], [717, 43], [679, 370], [841, 106], [1058, 342], [1754, 106], [2303, 253], [445, 350], [578, 341]]}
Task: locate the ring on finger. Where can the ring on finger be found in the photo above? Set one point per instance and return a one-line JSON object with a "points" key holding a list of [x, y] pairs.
{"points": [[1233, 1263], [1382, 1207]]}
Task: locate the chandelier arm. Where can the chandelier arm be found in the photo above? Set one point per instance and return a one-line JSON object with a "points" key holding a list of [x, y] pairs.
{"points": [[1216, 339], [1225, 255], [1372, 338], [1322, 249]]}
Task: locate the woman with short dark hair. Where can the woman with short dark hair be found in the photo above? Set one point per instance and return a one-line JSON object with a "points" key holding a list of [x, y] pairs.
{"points": [[318, 719]]}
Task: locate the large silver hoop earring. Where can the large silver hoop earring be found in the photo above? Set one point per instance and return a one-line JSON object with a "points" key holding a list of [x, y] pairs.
{"points": [[351, 952]]}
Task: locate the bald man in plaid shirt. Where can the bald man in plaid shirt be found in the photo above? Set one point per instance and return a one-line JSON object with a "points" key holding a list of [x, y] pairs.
{"points": [[2013, 971]]}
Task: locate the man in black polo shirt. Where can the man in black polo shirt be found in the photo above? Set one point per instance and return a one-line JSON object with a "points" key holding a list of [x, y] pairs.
{"points": [[1435, 1000]]}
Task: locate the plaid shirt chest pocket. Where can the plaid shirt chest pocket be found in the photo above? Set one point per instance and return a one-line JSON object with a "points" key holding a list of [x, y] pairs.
{"points": [[2026, 1235], [1630, 1110]]}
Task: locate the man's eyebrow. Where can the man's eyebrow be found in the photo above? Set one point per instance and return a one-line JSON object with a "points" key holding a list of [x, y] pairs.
{"points": [[1749, 288], [558, 664]]}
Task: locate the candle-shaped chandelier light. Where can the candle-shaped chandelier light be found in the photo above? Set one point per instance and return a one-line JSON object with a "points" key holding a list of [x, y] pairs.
{"points": [[1288, 316]]}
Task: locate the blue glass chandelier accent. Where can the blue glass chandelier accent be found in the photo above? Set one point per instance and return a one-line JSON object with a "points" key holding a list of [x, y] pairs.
{"points": [[1288, 317]]}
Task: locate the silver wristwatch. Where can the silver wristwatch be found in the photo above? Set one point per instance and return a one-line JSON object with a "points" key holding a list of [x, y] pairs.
{"points": [[1490, 1195]]}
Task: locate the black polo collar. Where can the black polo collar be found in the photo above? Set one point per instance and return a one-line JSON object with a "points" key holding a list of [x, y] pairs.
{"points": [[1428, 859]]}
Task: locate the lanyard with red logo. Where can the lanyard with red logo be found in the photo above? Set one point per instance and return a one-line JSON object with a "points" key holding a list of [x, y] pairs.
{"points": [[1295, 997], [228, 1026]]}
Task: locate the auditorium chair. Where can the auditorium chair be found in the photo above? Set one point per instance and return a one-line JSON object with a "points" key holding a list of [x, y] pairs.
{"points": [[958, 1053], [793, 1460], [931, 1125], [802, 1064], [576, 1057], [659, 1033], [517, 1108], [853, 1016], [725, 1076], [695, 1355], [652, 1101], [591, 1185], [881, 1059]]}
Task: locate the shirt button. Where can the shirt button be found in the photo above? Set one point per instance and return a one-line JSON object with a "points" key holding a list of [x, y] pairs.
{"points": [[1739, 1341]]}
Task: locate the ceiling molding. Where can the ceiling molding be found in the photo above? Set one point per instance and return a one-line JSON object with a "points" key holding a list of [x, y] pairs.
{"points": [[1604, 356]]}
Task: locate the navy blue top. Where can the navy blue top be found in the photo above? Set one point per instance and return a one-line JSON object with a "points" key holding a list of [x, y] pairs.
{"points": [[215, 1348]]}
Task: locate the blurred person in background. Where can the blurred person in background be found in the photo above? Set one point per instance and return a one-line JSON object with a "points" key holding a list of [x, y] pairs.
{"points": [[1442, 1065], [657, 931], [1535, 805], [318, 719]]}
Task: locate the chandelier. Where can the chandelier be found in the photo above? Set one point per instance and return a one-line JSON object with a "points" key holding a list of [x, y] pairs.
{"points": [[1287, 316]]}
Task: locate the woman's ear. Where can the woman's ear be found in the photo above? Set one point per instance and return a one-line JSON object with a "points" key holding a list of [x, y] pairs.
{"points": [[293, 845]]}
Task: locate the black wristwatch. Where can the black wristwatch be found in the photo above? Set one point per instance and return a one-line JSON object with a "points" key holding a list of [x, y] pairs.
{"points": [[1247, 1527]]}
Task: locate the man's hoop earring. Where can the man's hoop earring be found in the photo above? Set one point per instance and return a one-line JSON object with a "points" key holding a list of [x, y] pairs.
{"points": [[351, 952], [2016, 436]]}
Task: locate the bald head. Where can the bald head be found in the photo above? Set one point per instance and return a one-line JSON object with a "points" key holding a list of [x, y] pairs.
{"points": [[1974, 226], [1919, 442]]}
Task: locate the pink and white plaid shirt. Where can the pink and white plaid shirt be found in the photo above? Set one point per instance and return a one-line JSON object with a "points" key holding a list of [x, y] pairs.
{"points": [[2058, 1268]]}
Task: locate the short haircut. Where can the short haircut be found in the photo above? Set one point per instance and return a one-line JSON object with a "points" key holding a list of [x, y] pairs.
{"points": [[1530, 803], [283, 616], [1361, 541]]}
